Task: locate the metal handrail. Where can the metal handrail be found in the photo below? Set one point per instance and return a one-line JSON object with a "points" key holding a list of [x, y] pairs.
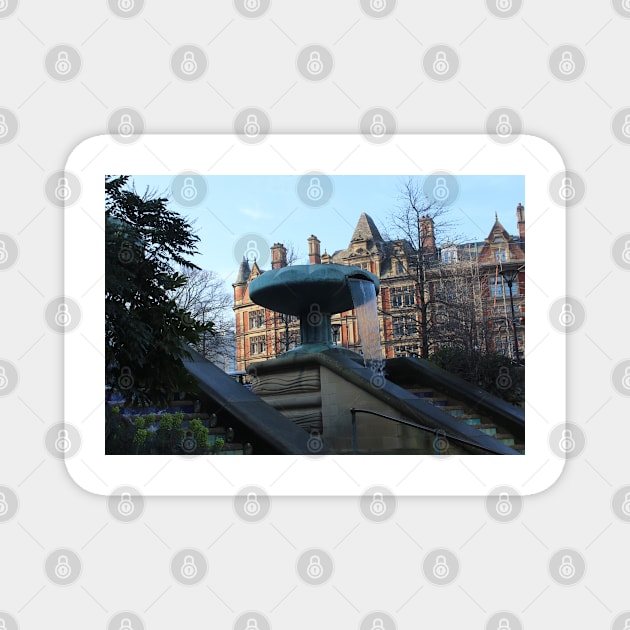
{"points": [[436, 432]]}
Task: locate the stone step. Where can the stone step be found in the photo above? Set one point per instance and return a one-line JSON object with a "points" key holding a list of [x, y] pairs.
{"points": [[231, 449], [505, 438], [488, 430], [457, 412], [192, 416], [473, 422], [438, 402]]}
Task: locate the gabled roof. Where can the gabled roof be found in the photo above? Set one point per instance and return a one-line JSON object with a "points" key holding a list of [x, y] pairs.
{"points": [[498, 228], [366, 229]]}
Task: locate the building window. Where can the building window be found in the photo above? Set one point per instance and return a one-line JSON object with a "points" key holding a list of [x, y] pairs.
{"points": [[404, 326], [408, 350], [256, 319], [499, 288], [400, 268], [258, 345], [449, 255], [402, 296], [500, 255]]}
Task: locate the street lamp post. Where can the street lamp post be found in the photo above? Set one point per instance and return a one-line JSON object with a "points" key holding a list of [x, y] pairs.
{"points": [[510, 275]]}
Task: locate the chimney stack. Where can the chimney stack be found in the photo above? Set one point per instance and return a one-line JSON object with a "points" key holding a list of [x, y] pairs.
{"points": [[314, 257], [427, 234], [520, 221], [278, 256]]}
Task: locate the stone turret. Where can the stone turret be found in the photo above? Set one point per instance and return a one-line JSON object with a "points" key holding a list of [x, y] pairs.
{"points": [[240, 284]]}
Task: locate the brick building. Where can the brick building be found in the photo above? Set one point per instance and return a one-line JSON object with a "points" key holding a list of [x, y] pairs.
{"points": [[466, 299]]}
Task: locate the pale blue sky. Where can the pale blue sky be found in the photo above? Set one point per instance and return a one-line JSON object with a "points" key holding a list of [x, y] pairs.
{"points": [[269, 207]]}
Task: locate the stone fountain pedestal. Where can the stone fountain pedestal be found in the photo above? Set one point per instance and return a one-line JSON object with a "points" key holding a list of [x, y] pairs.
{"points": [[296, 383]]}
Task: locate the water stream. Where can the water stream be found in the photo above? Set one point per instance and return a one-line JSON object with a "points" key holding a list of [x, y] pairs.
{"points": [[364, 298]]}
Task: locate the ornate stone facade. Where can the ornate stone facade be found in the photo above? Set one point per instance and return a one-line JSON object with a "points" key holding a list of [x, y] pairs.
{"points": [[466, 300]]}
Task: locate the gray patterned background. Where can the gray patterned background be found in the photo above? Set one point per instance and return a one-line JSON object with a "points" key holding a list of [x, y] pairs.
{"points": [[70, 70]]}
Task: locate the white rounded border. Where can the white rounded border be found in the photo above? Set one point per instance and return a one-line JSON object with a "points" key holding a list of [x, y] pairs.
{"points": [[338, 475]]}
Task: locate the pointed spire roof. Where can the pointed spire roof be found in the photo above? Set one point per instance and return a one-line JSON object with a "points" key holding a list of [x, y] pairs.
{"points": [[498, 228], [366, 229], [243, 272]]}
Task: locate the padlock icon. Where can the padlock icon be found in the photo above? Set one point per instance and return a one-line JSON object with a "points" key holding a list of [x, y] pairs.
{"points": [[625, 128], [125, 380], [504, 126], [126, 506], [125, 126], [441, 568], [315, 570], [4, 5], [189, 190], [252, 252], [567, 190], [625, 381], [378, 5], [567, 568], [504, 5], [504, 624], [125, 255], [440, 190], [567, 316], [377, 128], [189, 568], [252, 126], [4, 254], [314, 317], [440, 63], [252, 624], [567, 63], [4, 506], [378, 507], [63, 443], [62, 190], [189, 63], [440, 442], [125, 5], [315, 191], [567, 441], [377, 624], [252, 5], [504, 506], [125, 624], [314, 64], [626, 7], [504, 380], [189, 444], [62, 316], [62, 64], [626, 623], [4, 128], [252, 504], [63, 570], [3, 625], [4, 381], [314, 442], [625, 506], [625, 254]]}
